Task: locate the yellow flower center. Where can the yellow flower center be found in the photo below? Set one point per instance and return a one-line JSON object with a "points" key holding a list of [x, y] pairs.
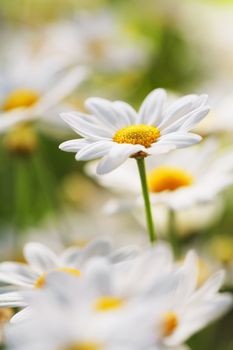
{"points": [[5, 315], [108, 303], [40, 283], [20, 98], [21, 139], [83, 346], [168, 179], [140, 134], [97, 48], [169, 323]]}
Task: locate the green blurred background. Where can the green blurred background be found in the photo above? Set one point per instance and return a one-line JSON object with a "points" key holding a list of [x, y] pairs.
{"points": [[182, 51]]}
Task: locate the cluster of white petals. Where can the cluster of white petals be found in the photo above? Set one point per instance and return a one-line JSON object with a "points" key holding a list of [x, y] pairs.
{"points": [[142, 301]]}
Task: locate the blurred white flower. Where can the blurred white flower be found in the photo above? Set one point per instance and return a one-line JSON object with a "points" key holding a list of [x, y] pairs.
{"points": [[117, 132], [41, 261], [189, 221], [95, 39], [178, 180], [31, 89], [186, 309], [156, 307]]}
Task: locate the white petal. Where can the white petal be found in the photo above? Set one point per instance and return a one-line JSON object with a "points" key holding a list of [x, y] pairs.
{"points": [[16, 273], [15, 280], [71, 256], [177, 110], [151, 109], [195, 119], [179, 140], [124, 253], [65, 86], [21, 315], [95, 150], [211, 286], [117, 155], [40, 257], [188, 277], [84, 127], [98, 248], [12, 118], [13, 299], [55, 282], [98, 275], [106, 112], [200, 101], [185, 123], [127, 111], [74, 145]]}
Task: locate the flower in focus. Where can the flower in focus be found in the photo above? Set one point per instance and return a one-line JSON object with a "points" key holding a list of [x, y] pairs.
{"points": [[178, 180], [116, 132], [105, 310], [42, 261]]}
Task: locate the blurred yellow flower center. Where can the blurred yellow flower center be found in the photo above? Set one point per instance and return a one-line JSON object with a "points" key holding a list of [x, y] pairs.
{"points": [[222, 249], [20, 98], [140, 134], [168, 179], [21, 139], [97, 48], [169, 323], [5, 315], [83, 346], [108, 303], [40, 283]]}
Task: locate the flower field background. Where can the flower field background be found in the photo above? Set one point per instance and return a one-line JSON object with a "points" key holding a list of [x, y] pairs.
{"points": [[64, 59]]}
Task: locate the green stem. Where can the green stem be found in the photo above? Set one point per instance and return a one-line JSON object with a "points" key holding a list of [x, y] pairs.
{"points": [[149, 219], [172, 234]]}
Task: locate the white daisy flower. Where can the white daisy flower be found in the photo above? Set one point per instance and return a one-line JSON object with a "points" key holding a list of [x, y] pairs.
{"points": [[104, 310], [116, 132], [80, 325], [88, 327], [30, 91], [178, 180], [40, 261], [184, 308]]}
